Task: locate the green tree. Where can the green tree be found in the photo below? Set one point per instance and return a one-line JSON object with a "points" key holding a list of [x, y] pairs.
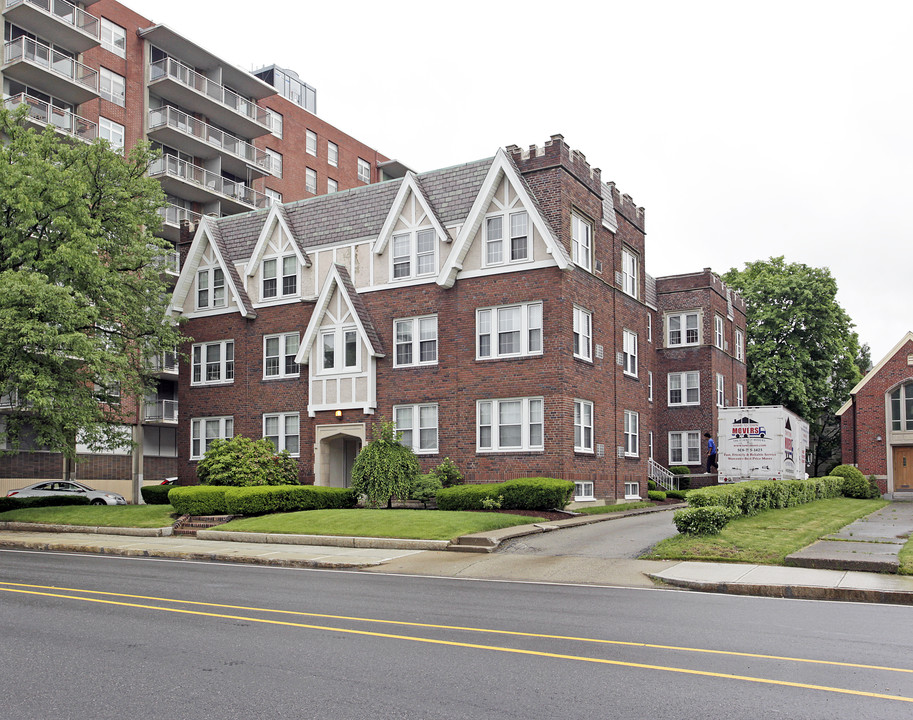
{"points": [[385, 467], [802, 351], [243, 462], [82, 297]]}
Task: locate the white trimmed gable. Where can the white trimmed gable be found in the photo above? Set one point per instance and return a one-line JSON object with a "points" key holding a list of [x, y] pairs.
{"points": [[275, 238], [503, 176], [409, 210]]}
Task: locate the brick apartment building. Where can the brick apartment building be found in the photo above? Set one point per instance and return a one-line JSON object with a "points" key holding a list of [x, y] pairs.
{"points": [[497, 311], [876, 423], [231, 141]]}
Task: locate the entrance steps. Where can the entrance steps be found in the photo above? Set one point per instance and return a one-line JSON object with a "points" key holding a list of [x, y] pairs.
{"points": [[190, 524]]}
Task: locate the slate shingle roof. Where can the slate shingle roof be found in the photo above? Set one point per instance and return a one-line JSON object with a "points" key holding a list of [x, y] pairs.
{"points": [[358, 304], [219, 240]]}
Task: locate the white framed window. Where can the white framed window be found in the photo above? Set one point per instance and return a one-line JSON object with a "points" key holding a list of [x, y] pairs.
{"points": [[112, 132], [718, 331], [283, 430], [415, 341], [112, 87], [275, 285], [632, 491], [583, 333], [739, 345], [417, 425], [630, 353], [739, 395], [310, 144], [206, 429], [213, 363], [629, 272], [332, 185], [650, 385], [685, 448], [275, 162], [510, 425], [414, 254], [507, 244], [339, 350], [113, 37], [275, 122], [650, 436], [211, 288], [279, 355], [364, 170], [720, 391], [310, 180], [273, 195], [583, 426], [581, 241], [901, 399], [509, 331], [632, 434], [683, 329], [583, 491], [332, 154], [684, 388], [649, 327]]}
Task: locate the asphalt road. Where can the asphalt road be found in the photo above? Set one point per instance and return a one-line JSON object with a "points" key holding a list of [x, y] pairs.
{"points": [[105, 637]]}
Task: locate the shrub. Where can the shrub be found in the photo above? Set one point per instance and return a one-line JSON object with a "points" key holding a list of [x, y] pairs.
{"points": [[199, 500], [15, 503], [520, 494], [709, 520], [684, 475], [651, 485], [384, 468], [242, 462], [656, 495], [752, 497], [156, 494], [425, 488], [855, 484], [677, 494], [493, 503], [447, 473], [286, 498]]}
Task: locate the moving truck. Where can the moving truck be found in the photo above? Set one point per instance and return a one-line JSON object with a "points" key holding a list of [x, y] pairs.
{"points": [[761, 442]]}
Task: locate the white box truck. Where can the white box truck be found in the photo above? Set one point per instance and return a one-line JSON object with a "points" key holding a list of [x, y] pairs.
{"points": [[761, 443]]}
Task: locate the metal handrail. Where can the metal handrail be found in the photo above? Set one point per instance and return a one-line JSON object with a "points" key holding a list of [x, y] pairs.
{"points": [[174, 214], [181, 121], [64, 11], [175, 167], [169, 67], [661, 476], [63, 120], [166, 362], [24, 48]]}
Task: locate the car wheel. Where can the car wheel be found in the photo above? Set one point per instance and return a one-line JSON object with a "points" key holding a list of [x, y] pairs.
{"points": [[98, 501]]}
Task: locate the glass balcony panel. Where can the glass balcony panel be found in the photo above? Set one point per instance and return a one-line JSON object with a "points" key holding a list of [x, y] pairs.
{"points": [[24, 49], [211, 182], [46, 114]]}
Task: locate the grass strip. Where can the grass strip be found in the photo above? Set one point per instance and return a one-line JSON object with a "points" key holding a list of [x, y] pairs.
{"points": [[603, 509], [135, 516], [413, 524], [768, 537]]}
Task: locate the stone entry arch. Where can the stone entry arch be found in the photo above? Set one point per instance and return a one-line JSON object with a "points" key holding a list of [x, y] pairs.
{"points": [[335, 449]]}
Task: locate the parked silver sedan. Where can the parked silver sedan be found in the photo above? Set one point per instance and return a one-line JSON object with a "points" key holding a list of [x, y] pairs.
{"points": [[64, 487]]}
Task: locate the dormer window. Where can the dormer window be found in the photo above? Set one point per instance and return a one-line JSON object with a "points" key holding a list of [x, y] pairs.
{"points": [[414, 254], [210, 288], [339, 350], [271, 278], [496, 252]]}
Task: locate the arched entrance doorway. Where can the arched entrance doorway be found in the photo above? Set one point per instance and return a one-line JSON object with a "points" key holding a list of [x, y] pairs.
{"points": [[335, 450]]}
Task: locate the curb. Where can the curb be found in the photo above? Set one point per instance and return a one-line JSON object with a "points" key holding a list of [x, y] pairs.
{"points": [[86, 529], [325, 540]]}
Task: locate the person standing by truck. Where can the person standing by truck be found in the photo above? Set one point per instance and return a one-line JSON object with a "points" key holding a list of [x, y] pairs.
{"points": [[711, 452]]}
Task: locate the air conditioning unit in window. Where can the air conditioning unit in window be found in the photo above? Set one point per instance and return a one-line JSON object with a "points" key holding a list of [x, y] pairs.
{"points": [[619, 279]]}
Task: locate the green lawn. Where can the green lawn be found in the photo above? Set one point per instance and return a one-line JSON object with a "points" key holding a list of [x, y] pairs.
{"points": [[905, 558], [767, 538], [602, 509], [139, 516], [416, 524]]}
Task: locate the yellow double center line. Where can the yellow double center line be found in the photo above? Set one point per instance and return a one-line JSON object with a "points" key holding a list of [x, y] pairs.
{"points": [[101, 597]]}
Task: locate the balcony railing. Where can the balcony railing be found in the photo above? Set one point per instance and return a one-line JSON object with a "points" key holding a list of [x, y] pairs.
{"points": [[175, 215], [169, 262], [206, 133], [164, 363], [169, 67], [62, 120], [162, 411], [10, 399], [31, 51], [174, 167], [65, 12]]}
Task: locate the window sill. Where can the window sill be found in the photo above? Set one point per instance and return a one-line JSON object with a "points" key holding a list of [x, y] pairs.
{"points": [[212, 384], [528, 356], [273, 378], [510, 451]]}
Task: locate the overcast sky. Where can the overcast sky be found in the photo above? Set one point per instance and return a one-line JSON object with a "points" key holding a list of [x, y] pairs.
{"points": [[745, 130]]}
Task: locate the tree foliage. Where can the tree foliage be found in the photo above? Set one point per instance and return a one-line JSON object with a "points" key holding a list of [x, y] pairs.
{"points": [[242, 462], [82, 297], [385, 467], [802, 351]]}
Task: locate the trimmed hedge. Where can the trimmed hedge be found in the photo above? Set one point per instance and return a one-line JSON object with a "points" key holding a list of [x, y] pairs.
{"points": [[656, 495], [677, 494], [156, 494], [754, 496], [287, 498], [707, 520], [519, 494], [14, 503], [199, 499]]}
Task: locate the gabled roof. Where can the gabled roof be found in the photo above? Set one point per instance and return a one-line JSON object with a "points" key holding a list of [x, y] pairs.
{"points": [[209, 234], [875, 370], [276, 216], [410, 184], [338, 279], [501, 167]]}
